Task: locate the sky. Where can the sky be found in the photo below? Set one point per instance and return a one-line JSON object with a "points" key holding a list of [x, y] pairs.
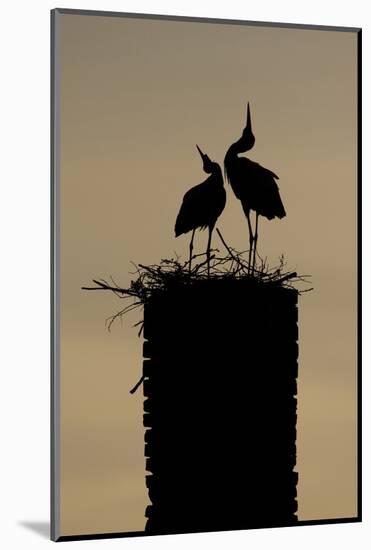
{"points": [[135, 97]]}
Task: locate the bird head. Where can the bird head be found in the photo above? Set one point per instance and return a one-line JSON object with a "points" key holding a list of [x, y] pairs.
{"points": [[208, 165], [248, 138]]}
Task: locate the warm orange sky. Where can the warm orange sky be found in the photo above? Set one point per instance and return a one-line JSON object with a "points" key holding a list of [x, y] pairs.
{"points": [[135, 98]]}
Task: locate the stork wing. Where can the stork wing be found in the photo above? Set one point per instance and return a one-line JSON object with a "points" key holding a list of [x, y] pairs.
{"points": [[201, 207], [192, 209], [254, 168], [260, 190]]}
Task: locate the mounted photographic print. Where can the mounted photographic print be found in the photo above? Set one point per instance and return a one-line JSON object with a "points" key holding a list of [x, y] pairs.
{"points": [[205, 278]]}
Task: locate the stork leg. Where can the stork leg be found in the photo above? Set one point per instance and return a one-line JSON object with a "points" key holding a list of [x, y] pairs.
{"points": [[255, 241], [211, 227], [251, 239], [191, 250]]}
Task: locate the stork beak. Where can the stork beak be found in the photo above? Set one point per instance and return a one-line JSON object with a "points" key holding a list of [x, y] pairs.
{"points": [[248, 120], [201, 153]]}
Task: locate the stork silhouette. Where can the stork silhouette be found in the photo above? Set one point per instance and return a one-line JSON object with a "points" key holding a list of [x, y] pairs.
{"points": [[253, 185], [202, 206]]}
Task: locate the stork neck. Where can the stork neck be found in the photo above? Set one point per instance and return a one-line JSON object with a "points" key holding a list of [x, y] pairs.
{"points": [[236, 148], [217, 171], [217, 175], [232, 153]]}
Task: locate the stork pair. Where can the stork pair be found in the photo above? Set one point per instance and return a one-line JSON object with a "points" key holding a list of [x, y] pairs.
{"points": [[252, 184]]}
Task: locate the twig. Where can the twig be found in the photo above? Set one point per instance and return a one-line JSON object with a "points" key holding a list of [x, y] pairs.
{"points": [[140, 381], [195, 269], [105, 286], [229, 250], [286, 277]]}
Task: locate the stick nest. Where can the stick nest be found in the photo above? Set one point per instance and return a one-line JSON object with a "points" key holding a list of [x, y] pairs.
{"points": [[173, 272]]}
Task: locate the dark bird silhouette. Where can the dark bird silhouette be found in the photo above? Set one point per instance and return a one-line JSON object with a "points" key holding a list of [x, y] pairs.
{"points": [[202, 205], [253, 185]]}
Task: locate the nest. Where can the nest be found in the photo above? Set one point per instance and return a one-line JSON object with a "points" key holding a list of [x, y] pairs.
{"points": [[173, 272]]}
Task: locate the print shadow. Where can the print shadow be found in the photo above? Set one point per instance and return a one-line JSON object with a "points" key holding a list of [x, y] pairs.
{"points": [[42, 528]]}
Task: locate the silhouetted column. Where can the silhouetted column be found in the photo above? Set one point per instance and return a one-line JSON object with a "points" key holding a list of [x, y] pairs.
{"points": [[220, 407]]}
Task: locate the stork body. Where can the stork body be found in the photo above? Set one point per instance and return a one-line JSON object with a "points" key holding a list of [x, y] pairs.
{"points": [[202, 205], [254, 185]]}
